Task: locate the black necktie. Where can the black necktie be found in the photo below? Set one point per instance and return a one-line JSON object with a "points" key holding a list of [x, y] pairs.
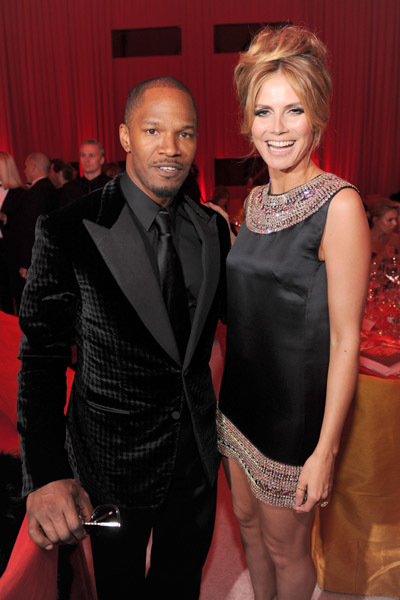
{"points": [[172, 282]]}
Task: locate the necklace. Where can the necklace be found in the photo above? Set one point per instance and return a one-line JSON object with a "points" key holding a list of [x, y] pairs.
{"points": [[267, 213]]}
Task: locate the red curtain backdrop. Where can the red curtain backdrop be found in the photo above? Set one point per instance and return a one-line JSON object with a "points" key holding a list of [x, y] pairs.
{"points": [[59, 83]]}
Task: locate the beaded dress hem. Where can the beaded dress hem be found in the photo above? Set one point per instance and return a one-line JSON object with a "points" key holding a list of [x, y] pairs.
{"points": [[270, 481]]}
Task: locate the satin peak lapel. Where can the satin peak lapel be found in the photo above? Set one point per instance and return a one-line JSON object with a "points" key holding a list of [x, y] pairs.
{"points": [[124, 253]]}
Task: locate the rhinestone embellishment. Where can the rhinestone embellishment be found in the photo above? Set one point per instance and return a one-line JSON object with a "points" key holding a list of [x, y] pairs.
{"points": [[270, 481], [268, 213]]}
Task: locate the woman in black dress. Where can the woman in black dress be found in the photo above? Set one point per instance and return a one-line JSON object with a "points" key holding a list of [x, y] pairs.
{"points": [[297, 280]]}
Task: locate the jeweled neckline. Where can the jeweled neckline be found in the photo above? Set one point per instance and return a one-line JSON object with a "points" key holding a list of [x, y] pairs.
{"points": [[293, 190], [268, 213]]}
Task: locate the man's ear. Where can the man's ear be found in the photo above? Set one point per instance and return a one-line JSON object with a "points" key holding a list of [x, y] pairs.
{"points": [[124, 137]]}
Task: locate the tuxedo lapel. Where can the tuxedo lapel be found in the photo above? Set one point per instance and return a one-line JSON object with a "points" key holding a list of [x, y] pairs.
{"points": [[125, 254], [207, 230], [116, 235]]}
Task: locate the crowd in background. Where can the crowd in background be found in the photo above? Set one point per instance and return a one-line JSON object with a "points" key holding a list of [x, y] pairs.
{"points": [[54, 183], [50, 184]]}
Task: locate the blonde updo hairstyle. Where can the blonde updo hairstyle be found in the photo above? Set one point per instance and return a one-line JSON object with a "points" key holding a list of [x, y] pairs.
{"points": [[298, 55]]}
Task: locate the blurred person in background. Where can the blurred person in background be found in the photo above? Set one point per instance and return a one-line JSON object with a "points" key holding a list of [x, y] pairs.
{"points": [[11, 197], [60, 174], [91, 156], [112, 169], [383, 215], [221, 197], [38, 200]]}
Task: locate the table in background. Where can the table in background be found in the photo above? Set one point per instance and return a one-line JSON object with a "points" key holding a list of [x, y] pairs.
{"points": [[356, 538]]}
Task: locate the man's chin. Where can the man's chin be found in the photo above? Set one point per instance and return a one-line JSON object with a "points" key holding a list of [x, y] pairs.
{"points": [[166, 192]]}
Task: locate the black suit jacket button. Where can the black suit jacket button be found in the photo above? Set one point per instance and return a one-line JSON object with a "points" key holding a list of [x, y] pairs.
{"points": [[176, 415]]}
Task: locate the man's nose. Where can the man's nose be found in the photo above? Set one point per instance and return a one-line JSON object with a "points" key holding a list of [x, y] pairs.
{"points": [[169, 145]]}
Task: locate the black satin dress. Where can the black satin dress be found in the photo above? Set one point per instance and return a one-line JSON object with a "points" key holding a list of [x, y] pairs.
{"points": [[273, 390]]}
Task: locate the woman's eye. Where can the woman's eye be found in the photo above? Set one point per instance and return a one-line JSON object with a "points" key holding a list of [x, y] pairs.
{"points": [[261, 113], [297, 111]]}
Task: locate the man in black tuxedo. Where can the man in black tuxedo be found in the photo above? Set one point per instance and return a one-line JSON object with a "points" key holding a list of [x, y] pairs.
{"points": [[140, 428], [39, 199]]}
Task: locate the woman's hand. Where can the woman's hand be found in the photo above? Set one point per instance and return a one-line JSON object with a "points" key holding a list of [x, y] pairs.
{"points": [[315, 482]]}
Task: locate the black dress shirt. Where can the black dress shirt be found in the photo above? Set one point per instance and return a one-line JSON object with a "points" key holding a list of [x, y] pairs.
{"points": [[185, 237], [80, 187], [89, 185]]}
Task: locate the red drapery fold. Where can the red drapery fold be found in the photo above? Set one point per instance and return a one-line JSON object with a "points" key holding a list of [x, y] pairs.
{"points": [[31, 572], [60, 84]]}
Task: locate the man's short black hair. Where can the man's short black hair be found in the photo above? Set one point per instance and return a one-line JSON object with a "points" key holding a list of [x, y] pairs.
{"points": [[136, 93], [61, 165], [57, 163]]}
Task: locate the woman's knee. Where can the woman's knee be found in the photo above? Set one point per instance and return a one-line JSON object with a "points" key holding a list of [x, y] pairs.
{"points": [[286, 536], [245, 512], [244, 503], [286, 552]]}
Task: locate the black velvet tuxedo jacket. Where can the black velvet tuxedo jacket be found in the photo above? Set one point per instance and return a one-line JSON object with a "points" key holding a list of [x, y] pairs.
{"points": [[92, 283]]}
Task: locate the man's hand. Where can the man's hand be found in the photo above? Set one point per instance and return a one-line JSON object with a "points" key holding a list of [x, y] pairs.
{"points": [[54, 512]]}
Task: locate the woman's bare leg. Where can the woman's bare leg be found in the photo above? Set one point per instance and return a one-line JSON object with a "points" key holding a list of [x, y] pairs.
{"points": [[261, 567], [287, 535], [276, 542]]}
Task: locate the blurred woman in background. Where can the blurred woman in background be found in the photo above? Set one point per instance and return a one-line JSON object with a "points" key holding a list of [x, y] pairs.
{"points": [[383, 215]]}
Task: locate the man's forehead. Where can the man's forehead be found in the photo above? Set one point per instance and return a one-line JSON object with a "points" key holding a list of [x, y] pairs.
{"points": [[165, 120], [89, 148], [157, 100]]}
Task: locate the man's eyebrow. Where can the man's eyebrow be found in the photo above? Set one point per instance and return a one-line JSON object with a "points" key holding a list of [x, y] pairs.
{"points": [[150, 122], [155, 123]]}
